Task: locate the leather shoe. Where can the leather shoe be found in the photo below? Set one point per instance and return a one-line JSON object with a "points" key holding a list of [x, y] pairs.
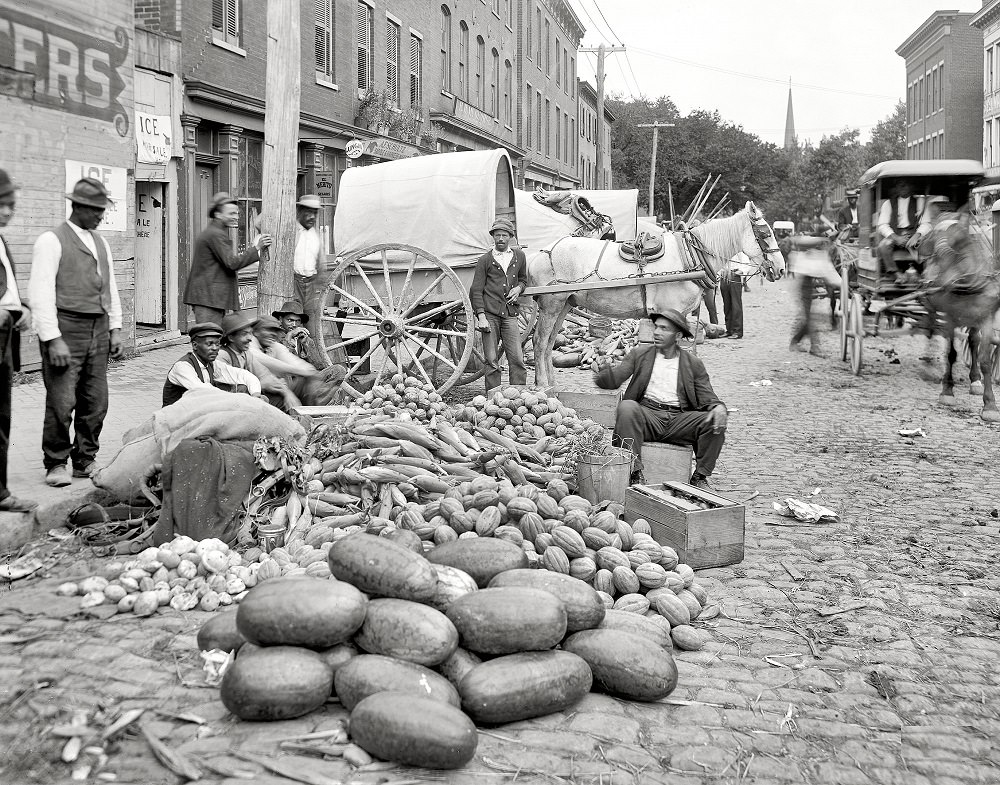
{"points": [[57, 477], [85, 470], [700, 481], [737, 336], [14, 504]]}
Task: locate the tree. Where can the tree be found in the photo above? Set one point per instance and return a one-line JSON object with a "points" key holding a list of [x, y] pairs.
{"points": [[888, 142]]}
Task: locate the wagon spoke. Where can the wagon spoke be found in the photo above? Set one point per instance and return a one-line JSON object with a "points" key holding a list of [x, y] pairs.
{"points": [[367, 355], [406, 282], [432, 351], [350, 341], [349, 320], [434, 331], [367, 281], [423, 294], [388, 282], [423, 371], [423, 316], [356, 301]]}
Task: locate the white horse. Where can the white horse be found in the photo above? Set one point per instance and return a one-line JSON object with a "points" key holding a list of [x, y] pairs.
{"points": [[709, 246]]}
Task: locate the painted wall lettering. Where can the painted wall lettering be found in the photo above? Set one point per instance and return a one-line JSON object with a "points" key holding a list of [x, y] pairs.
{"points": [[63, 68]]}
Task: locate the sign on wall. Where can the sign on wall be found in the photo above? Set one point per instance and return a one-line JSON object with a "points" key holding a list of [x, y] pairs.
{"points": [[153, 138], [115, 179]]}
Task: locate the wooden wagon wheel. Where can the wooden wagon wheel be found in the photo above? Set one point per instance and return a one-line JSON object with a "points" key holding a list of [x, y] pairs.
{"points": [[845, 299], [526, 320], [384, 305], [856, 332]]}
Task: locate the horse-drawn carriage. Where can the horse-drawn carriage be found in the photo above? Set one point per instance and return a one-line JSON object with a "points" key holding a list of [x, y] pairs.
{"points": [[868, 296], [408, 235]]}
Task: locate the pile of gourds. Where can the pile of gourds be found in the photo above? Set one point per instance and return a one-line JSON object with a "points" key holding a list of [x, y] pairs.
{"points": [[575, 346]]}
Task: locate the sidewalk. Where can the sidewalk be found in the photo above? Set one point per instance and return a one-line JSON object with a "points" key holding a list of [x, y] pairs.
{"points": [[134, 390]]}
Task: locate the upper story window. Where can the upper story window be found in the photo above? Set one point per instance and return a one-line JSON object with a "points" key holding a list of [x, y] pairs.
{"points": [[480, 70], [445, 48], [463, 61], [548, 48], [392, 60], [538, 41], [508, 87], [558, 70], [495, 84], [416, 70], [323, 13], [365, 35], [226, 20]]}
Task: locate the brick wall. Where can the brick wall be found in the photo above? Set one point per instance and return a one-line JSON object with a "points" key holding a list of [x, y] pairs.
{"points": [[44, 123], [147, 14], [964, 116]]}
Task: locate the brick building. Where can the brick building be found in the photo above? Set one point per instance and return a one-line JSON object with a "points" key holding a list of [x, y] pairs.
{"points": [[944, 71], [66, 71], [589, 132], [987, 21]]}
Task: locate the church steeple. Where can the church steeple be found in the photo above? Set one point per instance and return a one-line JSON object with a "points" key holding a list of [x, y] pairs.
{"points": [[790, 140]]}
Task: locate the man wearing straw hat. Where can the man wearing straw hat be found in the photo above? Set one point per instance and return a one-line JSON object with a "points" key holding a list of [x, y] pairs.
{"points": [[669, 398], [78, 318]]}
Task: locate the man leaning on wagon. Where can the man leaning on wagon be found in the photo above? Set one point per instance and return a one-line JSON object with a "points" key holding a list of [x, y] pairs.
{"points": [[669, 398], [901, 224]]}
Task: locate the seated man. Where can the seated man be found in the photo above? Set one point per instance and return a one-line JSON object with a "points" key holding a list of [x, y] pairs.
{"points": [[276, 357], [237, 335], [669, 399], [901, 224], [198, 368], [847, 217]]}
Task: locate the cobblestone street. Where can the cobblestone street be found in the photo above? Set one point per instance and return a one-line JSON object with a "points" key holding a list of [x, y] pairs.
{"points": [[861, 651]]}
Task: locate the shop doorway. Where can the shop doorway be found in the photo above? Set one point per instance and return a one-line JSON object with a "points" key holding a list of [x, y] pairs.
{"points": [[150, 256]]}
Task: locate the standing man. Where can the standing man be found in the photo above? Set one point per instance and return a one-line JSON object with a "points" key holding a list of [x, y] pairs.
{"points": [[212, 283], [14, 316], [847, 216], [901, 224], [669, 399], [308, 250], [78, 318], [501, 275], [731, 287]]}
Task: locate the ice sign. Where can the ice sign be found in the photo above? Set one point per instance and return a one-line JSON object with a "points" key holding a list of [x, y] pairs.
{"points": [[114, 179]]}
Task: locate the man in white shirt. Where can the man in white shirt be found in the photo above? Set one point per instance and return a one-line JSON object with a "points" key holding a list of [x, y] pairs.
{"points": [[14, 316], [901, 224], [199, 369], [308, 250], [77, 315]]}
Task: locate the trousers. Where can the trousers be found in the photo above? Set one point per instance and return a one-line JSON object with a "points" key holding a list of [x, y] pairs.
{"points": [[203, 313], [6, 379], [886, 246], [732, 303], [505, 330], [76, 394], [804, 326], [636, 424]]}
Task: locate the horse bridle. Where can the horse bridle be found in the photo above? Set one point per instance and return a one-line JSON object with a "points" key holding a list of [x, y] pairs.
{"points": [[761, 233]]}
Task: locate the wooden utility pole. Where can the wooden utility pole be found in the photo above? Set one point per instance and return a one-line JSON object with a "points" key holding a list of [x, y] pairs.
{"points": [[281, 133], [600, 51], [656, 126]]}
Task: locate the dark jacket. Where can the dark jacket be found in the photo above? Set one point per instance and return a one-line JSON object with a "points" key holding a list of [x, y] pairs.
{"points": [[212, 281], [844, 217], [13, 339], [694, 390], [490, 286]]}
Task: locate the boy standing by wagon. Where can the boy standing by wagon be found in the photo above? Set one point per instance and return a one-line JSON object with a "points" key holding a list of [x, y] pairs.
{"points": [[501, 275]]}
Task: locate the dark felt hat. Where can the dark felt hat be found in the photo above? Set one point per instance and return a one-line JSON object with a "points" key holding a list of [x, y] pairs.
{"points": [[675, 318], [234, 322], [291, 306], [269, 323], [90, 193], [502, 223], [7, 186], [201, 329]]}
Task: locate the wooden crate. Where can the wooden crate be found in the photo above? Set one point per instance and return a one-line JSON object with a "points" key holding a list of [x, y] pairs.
{"points": [[666, 462], [601, 406], [311, 416], [702, 538]]}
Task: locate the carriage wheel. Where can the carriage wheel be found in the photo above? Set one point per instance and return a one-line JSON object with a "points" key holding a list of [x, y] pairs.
{"points": [[845, 298], [856, 332], [385, 312], [453, 346], [526, 320]]}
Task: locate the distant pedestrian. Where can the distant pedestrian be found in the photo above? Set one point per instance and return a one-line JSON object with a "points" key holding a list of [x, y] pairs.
{"points": [[212, 283], [78, 318], [14, 316], [500, 277]]}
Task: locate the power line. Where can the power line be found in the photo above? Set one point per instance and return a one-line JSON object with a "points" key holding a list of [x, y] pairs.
{"points": [[625, 80], [604, 18], [593, 24], [718, 69]]}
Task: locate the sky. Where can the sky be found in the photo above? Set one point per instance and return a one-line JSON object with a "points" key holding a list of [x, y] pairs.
{"points": [[737, 57]]}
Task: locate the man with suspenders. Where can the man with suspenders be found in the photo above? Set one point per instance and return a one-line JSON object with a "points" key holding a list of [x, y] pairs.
{"points": [[198, 368]]}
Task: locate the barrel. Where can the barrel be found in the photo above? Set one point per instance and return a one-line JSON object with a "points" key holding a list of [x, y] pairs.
{"points": [[604, 477], [600, 327]]}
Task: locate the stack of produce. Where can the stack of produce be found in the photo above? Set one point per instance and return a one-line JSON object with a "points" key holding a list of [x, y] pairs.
{"points": [[403, 394], [421, 649], [575, 346]]}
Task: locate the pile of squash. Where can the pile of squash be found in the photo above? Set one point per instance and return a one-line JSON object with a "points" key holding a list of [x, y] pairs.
{"points": [[575, 346], [420, 649]]}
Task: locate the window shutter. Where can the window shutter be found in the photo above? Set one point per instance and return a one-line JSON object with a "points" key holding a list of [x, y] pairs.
{"points": [[233, 18], [219, 15], [392, 60], [323, 35], [416, 57], [364, 47]]}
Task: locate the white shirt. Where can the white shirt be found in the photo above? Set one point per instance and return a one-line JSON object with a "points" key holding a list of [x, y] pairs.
{"points": [[662, 386], [902, 216], [10, 300], [307, 248], [184, 374], [42, 284], [503, 259]]}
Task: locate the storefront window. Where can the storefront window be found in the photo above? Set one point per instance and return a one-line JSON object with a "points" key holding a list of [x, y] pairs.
{"points": [[250, 188]]}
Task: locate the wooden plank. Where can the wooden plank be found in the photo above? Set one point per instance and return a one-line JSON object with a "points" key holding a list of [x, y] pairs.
{"points": [[613, 283]]}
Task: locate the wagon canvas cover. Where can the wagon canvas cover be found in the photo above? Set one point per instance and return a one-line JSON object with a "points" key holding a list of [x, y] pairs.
{"points": [[443, 204], [538, 226]]}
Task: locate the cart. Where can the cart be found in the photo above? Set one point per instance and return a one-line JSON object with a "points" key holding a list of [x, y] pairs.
{"points": [[408, 235], [866, 293]]}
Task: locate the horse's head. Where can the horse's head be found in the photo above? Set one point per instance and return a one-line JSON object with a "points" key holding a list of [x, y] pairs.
{"points": [[761, 245]]}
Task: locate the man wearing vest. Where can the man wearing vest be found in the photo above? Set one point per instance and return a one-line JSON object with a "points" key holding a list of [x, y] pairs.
{"points": [[847, 216], [198, 369], [14, 316], [901, 224], [237, 338], [669, 398], [78, 318]]}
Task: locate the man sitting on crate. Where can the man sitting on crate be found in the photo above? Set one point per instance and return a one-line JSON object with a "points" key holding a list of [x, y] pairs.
{"points": [[669, 399]]}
